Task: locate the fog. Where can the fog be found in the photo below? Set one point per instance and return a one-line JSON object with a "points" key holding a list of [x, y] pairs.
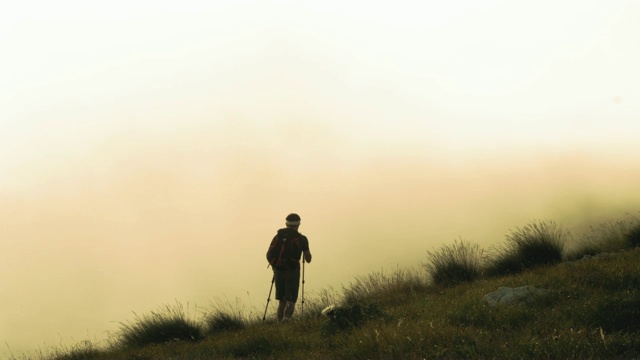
{"points": [[138, 223], [149, 151]]}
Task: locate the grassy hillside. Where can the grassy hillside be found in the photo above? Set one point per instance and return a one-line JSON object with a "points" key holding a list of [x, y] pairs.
{"points": [[590, 311]]}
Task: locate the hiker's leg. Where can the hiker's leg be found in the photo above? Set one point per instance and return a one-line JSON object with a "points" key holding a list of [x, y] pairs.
{"points": [[281, 307], [293, 283], [281, 288], [291, 306]]}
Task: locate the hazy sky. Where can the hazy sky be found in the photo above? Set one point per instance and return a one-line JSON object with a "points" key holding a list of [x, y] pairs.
{"points": [[149, 150]]}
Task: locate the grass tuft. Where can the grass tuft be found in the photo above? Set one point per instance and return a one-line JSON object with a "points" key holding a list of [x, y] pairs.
{"points": [[160, 327], [221, 321], [228, 316], [455, 264], [536, 244], [386, 288], [608, 237]]}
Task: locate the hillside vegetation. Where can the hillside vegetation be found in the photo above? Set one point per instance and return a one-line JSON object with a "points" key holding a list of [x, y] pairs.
{"points": [[590, 311]]}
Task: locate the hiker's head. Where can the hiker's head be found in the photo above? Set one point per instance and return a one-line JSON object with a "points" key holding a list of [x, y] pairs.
{"points": [[293, 221]]}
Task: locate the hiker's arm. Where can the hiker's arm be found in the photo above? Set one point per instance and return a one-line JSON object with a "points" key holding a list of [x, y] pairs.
{"points": [[307, 256]]}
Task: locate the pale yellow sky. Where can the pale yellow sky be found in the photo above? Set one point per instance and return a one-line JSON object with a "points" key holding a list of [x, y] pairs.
{"points": [[468, 72], [139, 138]]}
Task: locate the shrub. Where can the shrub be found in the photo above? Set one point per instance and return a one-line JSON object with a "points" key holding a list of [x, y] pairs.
{"points": [[221, 321], [455, 264], [534, 245], [160, 327]]}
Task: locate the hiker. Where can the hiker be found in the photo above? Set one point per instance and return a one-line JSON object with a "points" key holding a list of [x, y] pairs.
{"points": [[284, 255]]}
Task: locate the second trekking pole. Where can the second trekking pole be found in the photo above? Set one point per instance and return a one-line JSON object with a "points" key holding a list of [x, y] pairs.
{"points": [[302, 309]]}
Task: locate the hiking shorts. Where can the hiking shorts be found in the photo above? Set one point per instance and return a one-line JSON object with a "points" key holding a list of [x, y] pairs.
{"points": [[287, 285]]}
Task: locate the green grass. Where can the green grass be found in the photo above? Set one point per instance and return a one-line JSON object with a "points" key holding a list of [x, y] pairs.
{"points": [[590, 311]]}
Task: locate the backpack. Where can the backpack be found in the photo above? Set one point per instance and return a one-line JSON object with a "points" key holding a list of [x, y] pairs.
{"points": [[284, 251]]}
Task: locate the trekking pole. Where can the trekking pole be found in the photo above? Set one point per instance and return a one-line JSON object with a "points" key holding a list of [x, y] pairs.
{"points": [[269, 298], [302, 309]]}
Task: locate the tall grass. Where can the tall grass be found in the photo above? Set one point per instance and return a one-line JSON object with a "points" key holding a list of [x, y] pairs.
{"points": [[220, 321], [315, 302], [226, 316], [84, 350], [455, 264], [611, 236], [171, 324], [536, 244], [365, 297], [633, 235], [388, 288]]}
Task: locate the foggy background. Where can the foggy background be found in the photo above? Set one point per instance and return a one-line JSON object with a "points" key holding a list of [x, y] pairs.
{"points": [[149, 152]]}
